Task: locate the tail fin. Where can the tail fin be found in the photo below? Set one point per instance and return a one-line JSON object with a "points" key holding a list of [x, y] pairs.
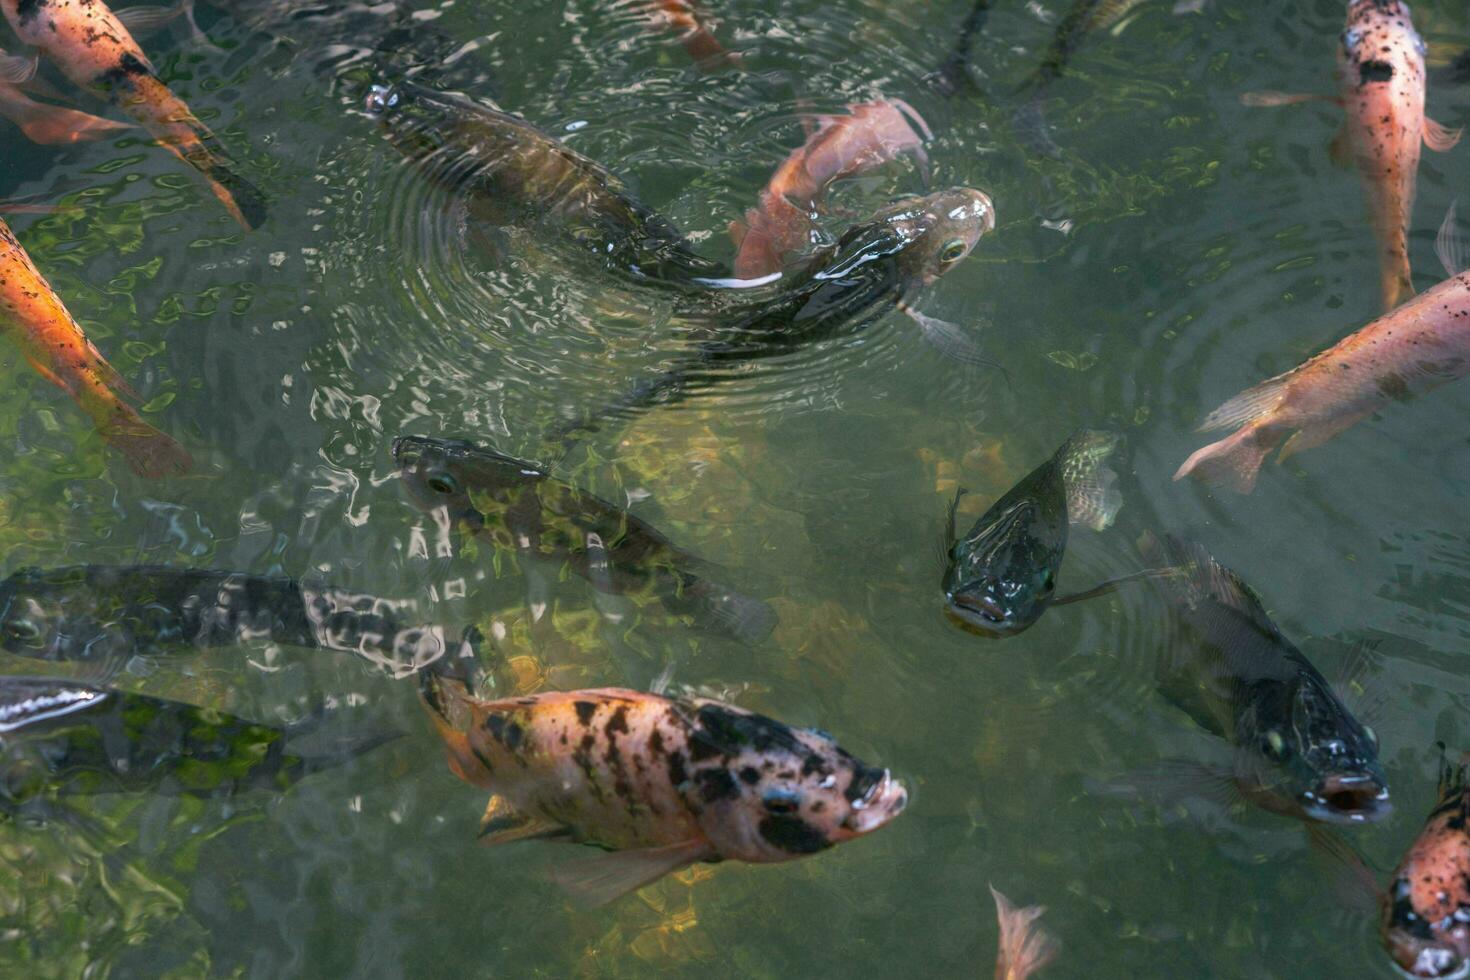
{"points": [[150, 453], [743, 617], [1093, 499], [1024, 946], [240, 197], [1233, 462]]}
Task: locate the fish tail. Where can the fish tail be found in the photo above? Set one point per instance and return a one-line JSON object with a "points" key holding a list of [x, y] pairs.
{"points": [[1024, 946], [1234, 461], [150, 453], [746, 618], [1093, 499]]}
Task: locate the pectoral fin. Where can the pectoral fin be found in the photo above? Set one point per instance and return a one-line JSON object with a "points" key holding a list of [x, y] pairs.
{"points": [[1269, 97], [599, 880], [1093, 499], [1440, 138], [503, 824]]}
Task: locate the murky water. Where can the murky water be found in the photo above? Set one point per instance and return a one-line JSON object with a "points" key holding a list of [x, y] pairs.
{"points": [[1210, 246]]}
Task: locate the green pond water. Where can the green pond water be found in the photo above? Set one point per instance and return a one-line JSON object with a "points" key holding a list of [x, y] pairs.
{"points": [[1179, 249]]}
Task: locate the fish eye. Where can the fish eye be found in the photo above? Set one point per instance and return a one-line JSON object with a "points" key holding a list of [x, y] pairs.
{"points": [[1274, 744], [1049, 582], [781, 800], [953, 250], [442, 483]]}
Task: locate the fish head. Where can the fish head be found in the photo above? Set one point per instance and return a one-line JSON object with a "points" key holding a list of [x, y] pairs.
{"points": [[1322, 760], [936, 232], [1428, 935], [1378, 44], [382, 99], [1002, 576], [768, 792], [442, 473]]}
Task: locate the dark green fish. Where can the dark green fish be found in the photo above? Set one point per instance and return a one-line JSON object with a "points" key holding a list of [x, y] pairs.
{"points": [[875, 266], [1002, 574], [72, 738], [510, 174], [517, 506], [1297, 748], [108, 613]]}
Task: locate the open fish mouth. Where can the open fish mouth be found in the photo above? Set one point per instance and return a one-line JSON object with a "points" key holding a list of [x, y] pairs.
{"points": [[1347, 799], [1417, 958], [982, 613], [882, 801]]}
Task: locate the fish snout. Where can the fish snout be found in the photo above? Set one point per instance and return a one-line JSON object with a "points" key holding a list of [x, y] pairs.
{"points": [[1419, 957], [1348, 798], [883, 801], [979, 610], [380, 99]]}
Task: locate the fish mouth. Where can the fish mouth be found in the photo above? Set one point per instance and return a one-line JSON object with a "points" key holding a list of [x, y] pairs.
{"points": [[1347, 798], [406, 450], [1415, 957], [883, 801], [979, 614]]}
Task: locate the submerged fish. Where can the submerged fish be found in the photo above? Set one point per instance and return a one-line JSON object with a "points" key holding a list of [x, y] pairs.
{"points": [[661, 783], [704, 49], [1002, 574], [72, 738], [875, 266], [1380, 78], [49, 125], [782, 224], [93, 48], [34, 319], [1426, 910], [1297, 749], [1025, 947], [1404, 353], [518, 506], [511, 174], [109, 613]]}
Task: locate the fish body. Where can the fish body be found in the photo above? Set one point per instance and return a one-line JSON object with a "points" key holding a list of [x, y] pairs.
{"points": [[1425, 918], [1298, 750], [842, 288], [781, 224], [1380, 78], [1002, 574], [517, 505], [1412, 349], [511, 174], [73, 738], [660, 782], [95, 50], [109, 613], [36, 321]]}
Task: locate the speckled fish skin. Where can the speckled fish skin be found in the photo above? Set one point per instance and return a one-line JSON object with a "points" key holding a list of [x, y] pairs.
{"points": [[77, 739], [1380, 77], [93, 48], [1417, 347], [630, 771], [517, 505], [1426, 911], [33, 317]]}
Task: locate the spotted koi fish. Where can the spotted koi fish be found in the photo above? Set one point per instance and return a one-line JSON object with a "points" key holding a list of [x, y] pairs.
{"points": [[93, 47], [33, 317], [781, 224], [1380, 79], [661, 783], [1426, 911]]}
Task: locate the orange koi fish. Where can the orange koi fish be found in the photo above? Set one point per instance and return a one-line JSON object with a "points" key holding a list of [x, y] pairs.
{"points": [[1024, 946], [93, 47], [41, 123], [782, 224], [1426, 910], [661, 783], [1380, 78], [1417, 347], [682, 16], [33, 317]]}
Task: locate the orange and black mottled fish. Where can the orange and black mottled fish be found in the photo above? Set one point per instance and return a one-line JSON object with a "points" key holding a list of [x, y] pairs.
{"points": [[1426, 911], [95, 50], [1025, 947], [33, 318], [658, 782]]}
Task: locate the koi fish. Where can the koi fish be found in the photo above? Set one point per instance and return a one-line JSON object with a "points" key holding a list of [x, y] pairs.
{"points": [[34, 319], [1381, 85], [1404, 353], [1002, 574], [660, 783], [49, 125], [1425, 919], [1025, 947], [109, 613], [64, 736], [518, 505], [1296, 748], [708, 54], [94, 49], [781, 224]]}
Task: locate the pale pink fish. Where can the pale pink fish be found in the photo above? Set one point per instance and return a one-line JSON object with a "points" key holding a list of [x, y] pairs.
{"points": [[1024, 946], [659, 782], [1419, 346], [782, 223], [1380, 79]]}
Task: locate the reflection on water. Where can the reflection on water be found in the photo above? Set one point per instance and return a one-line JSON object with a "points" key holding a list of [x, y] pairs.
{"points": [[1176, 249]]}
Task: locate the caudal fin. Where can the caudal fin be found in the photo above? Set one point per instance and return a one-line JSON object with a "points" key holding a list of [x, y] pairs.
{"points": [[240, 197], [1024, 946], [1232, 462], [56, 126], [743, 617], [149, 452]]}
